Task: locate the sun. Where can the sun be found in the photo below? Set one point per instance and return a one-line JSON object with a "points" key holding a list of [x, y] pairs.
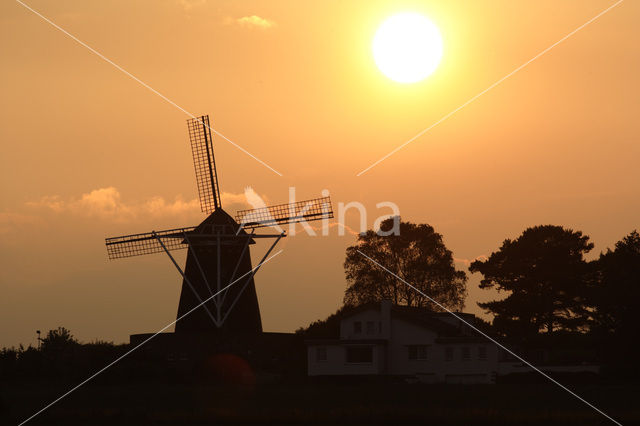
{"points": [[407, 47]]}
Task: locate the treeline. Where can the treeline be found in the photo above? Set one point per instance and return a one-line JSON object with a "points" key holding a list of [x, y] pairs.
{"points": [[60, 356], [551, 288], [553, 299]]}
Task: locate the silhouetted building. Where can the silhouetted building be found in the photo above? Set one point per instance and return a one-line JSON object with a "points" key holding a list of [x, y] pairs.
{"points": [[384, 339]]}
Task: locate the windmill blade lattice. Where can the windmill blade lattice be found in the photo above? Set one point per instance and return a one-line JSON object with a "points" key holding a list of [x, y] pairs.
{"points": [[308, 210], [204, 163], [146, 243]]}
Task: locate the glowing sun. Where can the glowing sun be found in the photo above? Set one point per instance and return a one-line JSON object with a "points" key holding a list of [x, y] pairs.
{"points": [[407, 47]]}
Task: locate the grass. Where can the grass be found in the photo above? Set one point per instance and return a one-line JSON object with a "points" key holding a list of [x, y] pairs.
{"points": [[369, 403]]}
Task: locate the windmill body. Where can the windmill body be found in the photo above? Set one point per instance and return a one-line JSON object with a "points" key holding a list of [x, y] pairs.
{"points": [[218, 295], [214, 258]]}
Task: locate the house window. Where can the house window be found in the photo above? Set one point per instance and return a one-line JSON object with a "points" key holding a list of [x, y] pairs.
{"points": [[482, 352], [448, 354], [466, 353], [321, 354], [370, 327], [357, 327], [360, 354], [417, 352]]}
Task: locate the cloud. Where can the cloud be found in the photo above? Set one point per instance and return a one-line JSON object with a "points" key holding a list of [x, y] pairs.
{"points": [[229, 198], [107, 203], [102, 202], [255, 21], [11, 221]]}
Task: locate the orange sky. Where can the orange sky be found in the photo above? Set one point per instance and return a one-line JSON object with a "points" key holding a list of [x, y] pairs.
{"points": [[87, 152]]}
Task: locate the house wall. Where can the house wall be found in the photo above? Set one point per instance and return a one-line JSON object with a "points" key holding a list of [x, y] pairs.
{"points": [[437, 367], [404, 334], [474, 369], [336, 361], [380, 327]]}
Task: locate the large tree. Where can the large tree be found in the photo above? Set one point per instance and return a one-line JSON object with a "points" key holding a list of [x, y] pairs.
{"points": [[417, 254], [616, 296], [544, 272]]}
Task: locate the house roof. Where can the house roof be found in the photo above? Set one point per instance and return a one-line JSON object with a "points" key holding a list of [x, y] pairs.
{"points": [[421, 316]]}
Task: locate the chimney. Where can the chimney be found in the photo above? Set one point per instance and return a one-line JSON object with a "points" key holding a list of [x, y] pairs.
{"points": [[385, 317]]}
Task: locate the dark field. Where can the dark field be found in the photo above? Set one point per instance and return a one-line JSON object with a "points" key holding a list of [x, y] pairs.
{"points": [[320, 403]]}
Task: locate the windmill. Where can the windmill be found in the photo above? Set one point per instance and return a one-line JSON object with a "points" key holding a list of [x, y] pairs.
{"points": [[218, 248]]}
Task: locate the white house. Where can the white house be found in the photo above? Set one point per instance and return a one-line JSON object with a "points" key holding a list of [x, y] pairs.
{"points": [[384, 339]]}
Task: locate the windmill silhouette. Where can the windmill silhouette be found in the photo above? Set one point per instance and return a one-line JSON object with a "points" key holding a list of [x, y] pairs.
{"points": [[217, 249]]}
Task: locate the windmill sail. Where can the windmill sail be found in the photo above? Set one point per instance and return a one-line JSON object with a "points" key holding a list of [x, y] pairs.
{"points": [[308, 210], [147, 243], [204, 163]]}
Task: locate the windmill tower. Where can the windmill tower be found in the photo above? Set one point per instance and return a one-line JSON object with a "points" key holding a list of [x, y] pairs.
{"points": [[217, 249]]}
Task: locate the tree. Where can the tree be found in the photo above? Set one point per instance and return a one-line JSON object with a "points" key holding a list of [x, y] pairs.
{"points": [[616, 296], [545, 273], [58, 339], [417, 254], [328, 328]]}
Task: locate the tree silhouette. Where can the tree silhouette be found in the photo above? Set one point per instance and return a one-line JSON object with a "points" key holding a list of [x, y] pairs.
{"points": [[544, 272], [417, 254], [616, 297], [58, 339]]}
